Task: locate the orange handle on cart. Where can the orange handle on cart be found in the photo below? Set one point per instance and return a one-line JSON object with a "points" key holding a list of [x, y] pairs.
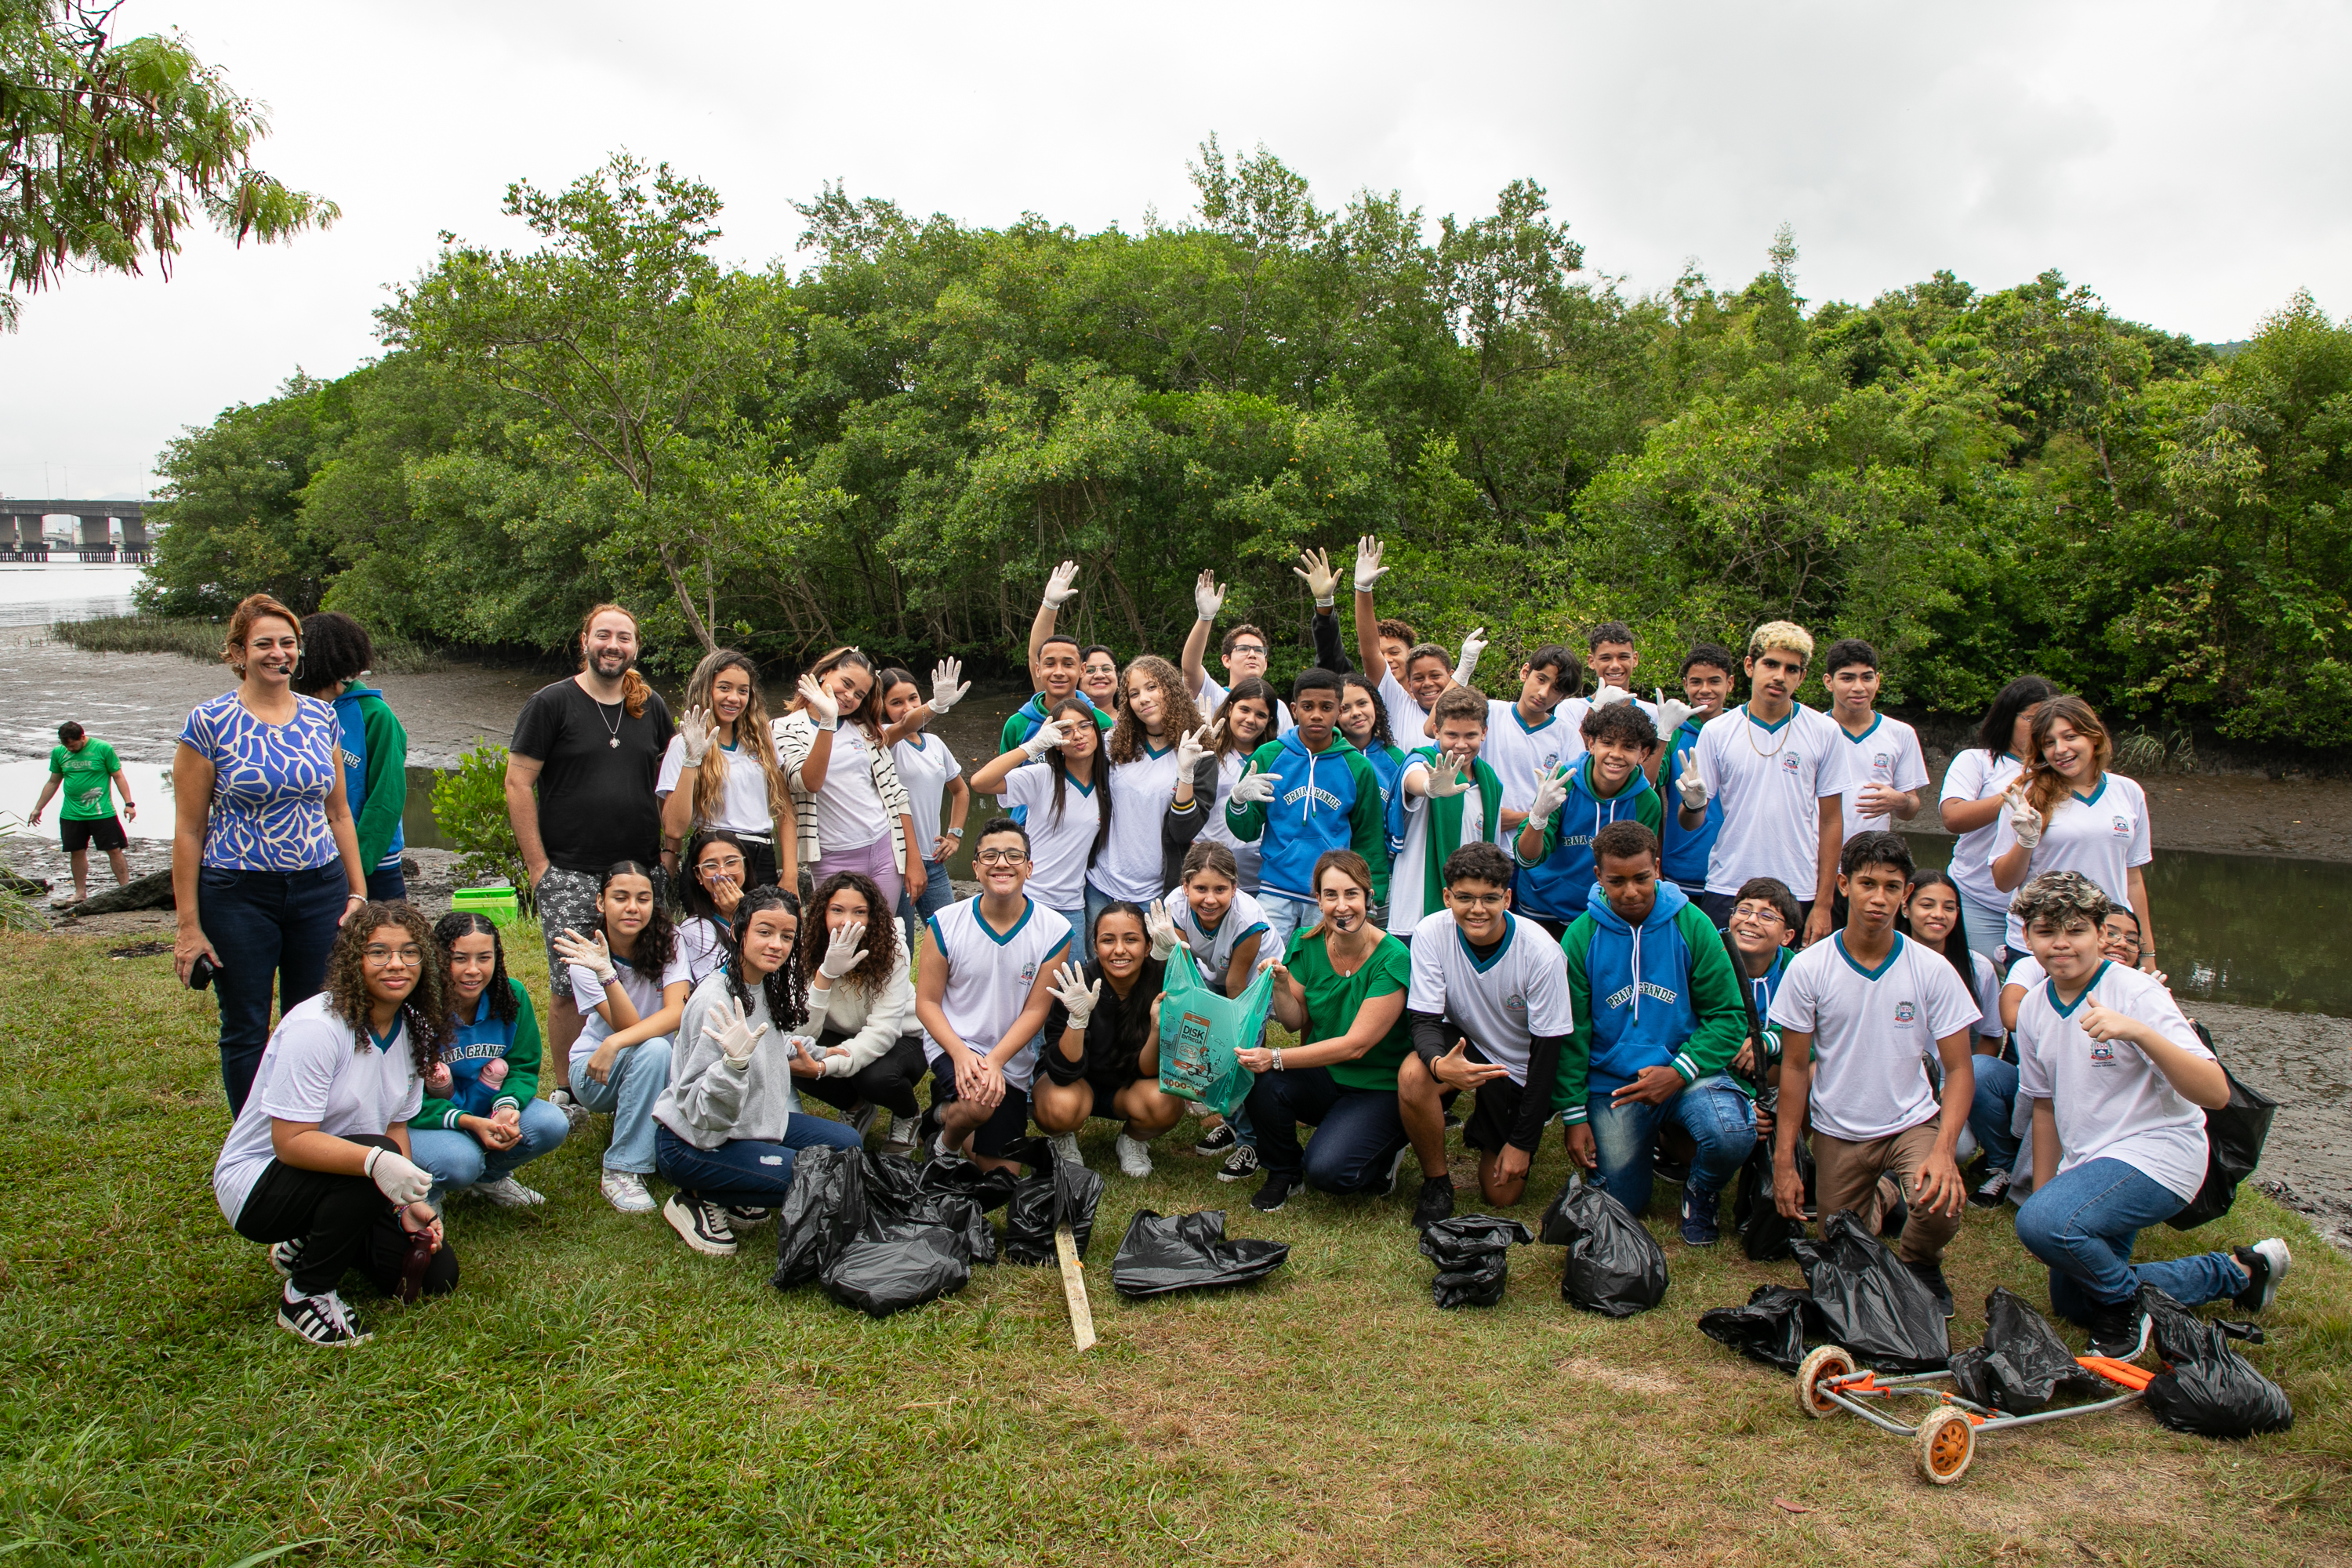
{"points": [[2118, 1372]]}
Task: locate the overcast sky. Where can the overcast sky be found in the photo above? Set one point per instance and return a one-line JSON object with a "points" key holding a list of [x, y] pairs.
{"points": [[2189, 161]]}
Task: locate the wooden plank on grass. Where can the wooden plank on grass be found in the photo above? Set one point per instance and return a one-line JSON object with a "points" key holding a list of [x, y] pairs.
{"points": [[1073, 1288]]}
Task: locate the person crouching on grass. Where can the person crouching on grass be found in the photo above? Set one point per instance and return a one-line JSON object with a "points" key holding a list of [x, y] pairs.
{"points": [[1857, 1014], [861, 1009], [2120, 1083], [1102, 1039], [630, 981], [729, 1122], [317, 1162], [482, 1119]]}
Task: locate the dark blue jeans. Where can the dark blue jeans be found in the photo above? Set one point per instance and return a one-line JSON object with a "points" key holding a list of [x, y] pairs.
{"points": [[2084, 1225], [387, 884], [273, 930], [1358, 1132], [744, 1171], [1990, 1113]]}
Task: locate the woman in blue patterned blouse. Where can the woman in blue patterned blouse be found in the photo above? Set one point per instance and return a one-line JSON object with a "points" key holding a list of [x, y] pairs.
{"points": [[264, 861]]}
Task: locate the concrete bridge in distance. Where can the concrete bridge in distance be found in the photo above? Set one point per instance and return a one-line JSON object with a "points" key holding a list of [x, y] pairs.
{"points": [[22, 539]]}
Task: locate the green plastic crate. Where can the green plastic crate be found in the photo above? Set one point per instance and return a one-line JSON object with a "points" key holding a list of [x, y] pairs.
{"points": [[496, 904]]}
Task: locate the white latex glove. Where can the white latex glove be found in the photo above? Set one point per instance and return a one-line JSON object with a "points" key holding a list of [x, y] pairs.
{"points": [[1161, 929], [842, 952], [1608, 694], [1552, 793], [1189, 750], [1050, 735], [1254, 788], [1071, 990], [1692, 789], [735, 1036], [697, 730], [398, 1176], [2023, 820], [1673, 713], [1061, 584], [1207, 598], [819, 702], [1369, 569], [1447, 778], [948, 686], [1467, 665], [589, 953], [1314, 569]]}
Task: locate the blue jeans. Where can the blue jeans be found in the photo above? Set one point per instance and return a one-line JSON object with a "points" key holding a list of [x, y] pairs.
{"points": [[2082, 1225], [747, 1172], [388, 884], [1721, 1119], [1357, 1132], [937, 892], [640, 1073], [1990, 1113], [272, 930], [1285, 918], [458, 1160]]}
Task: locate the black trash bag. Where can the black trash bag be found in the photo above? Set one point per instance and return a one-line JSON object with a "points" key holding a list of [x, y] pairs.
{"points": [[1769, 1329], [1165, 1253], [892, 1182], [961, 1216], [2023, 1364], [1869, 1302], [906, 1264], [1473, 1254], [822, 1213], [954, 1173], [2234, 1136], [1615, 1267], [1064, 1195], [1764, 1235], [2207, 1388]]}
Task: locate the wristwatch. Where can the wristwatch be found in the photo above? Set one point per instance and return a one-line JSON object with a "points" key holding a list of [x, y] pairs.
{"points": [[955, 833]]}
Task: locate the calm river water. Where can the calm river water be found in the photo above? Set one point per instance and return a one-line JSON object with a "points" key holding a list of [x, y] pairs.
{"points": [[2258, 931]]}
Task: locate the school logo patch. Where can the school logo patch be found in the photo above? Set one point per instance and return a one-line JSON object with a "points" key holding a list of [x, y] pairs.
{"points": [[1515, 1002], [1788, 764], [1905, 1013], [1882, 762], [1550, 761], [2102, 1054], [2123, 827], [1028, 971]]}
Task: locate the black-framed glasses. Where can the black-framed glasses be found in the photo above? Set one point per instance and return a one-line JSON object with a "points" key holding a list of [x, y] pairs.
{"points": [[1001, 857]]}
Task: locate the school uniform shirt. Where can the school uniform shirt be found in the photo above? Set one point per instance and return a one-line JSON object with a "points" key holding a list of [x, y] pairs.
{"points": [[1248, 855], [1334, 999], [1687, 850], [925, 764], [2110, 1101], [1212, 697], [1213, 947], [1140, 791], [1873, 1030], [1761, 989], [1771, 779], [1520, 755], [643, 987], [701, 946], [742, 802], [1058, 843], [2102, 835], [316, 1069], [1408, 719], [1434, 827], [1987, 990], [1885, 754], [862, 797], [1974, 775], [1502, 1002], [990, 973]]}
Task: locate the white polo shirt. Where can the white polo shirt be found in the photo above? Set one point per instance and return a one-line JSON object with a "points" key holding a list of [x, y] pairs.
{"points": [[1519, 993], [1519, 755], [313, 1069], [1771, 779], [1140, 792], [1974, 775], [1213, 950], [2109, 1099], [989, 976], [1058, 846], [1885, 754], [1873, 1031], [1212, 697], [2102, 834]]}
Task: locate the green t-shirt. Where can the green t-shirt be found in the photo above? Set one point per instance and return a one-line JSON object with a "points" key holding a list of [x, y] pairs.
{"points": [[87, 773], [1332, 1001]]}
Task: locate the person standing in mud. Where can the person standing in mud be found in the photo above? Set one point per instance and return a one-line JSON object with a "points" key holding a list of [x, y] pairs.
{"points": [[580, 773]]}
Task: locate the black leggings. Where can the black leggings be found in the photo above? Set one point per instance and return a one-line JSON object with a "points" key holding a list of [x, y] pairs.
{"points": [[344, 1223], [888, 1080]]}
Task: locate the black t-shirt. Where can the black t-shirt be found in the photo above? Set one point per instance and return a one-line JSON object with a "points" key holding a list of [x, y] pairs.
{"points": [[596, 800], [1114, 1056]]}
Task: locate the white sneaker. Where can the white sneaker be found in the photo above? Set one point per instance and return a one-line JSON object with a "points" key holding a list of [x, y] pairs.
{"points": [[1066, 1150], [1134, 1158], [903, 1130], [508, 1193], [626, 1191]]}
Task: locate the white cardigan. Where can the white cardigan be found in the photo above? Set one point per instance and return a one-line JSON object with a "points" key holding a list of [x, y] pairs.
{"points": [[874, 1025], [795, 735]]}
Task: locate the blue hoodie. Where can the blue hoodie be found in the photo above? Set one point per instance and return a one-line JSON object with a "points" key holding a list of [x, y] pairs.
{"points": [[1664, 996], [1322, 800], [1554, 887], [375, 754], [1687, 849]]}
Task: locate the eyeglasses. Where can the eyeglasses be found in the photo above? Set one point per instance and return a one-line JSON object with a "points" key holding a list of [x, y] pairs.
{"points": [[411, 955], [1001, 857], [1766, 915], [1249, 648], [721, 866]]}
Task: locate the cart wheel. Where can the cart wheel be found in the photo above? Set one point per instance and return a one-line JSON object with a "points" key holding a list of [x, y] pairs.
{"points": [[1948, 1442], [1830, 1361]]}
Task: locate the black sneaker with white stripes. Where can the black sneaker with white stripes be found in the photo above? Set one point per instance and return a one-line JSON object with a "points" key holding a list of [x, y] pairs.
{"points": [[285, 1256], [322, 1319], [1216, 1139]]}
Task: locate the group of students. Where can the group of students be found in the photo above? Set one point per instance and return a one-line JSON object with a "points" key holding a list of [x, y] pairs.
{"points": [[1676, 927]]}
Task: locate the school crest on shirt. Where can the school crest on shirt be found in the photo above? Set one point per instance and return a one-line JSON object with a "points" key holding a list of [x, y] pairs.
{"points": [[1882, 762], [1550, 761], [1788, 764], [2102, 1054], [1028, 971], [1905, 1013], [2122, 826], [1515, 1002]]}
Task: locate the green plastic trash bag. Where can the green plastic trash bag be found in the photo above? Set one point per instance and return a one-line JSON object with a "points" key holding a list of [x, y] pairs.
{"points": [[1200, 1033]]}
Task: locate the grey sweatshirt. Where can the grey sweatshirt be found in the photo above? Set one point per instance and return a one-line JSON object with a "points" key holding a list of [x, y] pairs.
{"points": [[708, 1102]]}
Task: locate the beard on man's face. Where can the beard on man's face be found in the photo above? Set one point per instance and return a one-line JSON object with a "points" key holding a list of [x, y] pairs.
{"points": [[610, 662]]}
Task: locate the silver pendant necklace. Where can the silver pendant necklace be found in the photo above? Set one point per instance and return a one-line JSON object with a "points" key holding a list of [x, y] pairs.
{"points": [[613, 738]]}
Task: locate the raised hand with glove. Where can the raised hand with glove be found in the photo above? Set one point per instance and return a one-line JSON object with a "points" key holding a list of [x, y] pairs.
{"points": [[1448, 777], [1692, 789], [1207, 598], [736, 1036], [1061, 584], [1161, 929], [948, 686], [1315, 569], [1467, 666], [589, 953], [695, 732], [842, 952], [2024, 821], [1049, 735], [1369, 570], [1079, 999], [1673, 714], [1608, 694], [1190, 748], [1552, 793], [822, 710], [1254, 788]]}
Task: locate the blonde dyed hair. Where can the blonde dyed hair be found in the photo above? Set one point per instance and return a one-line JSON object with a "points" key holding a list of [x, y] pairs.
{"points": [[1786, 635]]}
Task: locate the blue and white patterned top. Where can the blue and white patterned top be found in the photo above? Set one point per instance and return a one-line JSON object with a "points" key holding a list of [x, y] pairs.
{"points": [[270, 784]]}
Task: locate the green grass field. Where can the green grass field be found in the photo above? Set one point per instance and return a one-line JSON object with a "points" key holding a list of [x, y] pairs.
{"points": [[594, 1393]]}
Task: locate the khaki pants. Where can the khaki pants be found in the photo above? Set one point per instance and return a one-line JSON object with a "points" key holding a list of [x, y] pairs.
{"points": [[1845, 1177]]}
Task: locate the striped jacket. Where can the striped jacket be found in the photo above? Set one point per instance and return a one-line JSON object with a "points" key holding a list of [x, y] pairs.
{"points": [[795, 734]]}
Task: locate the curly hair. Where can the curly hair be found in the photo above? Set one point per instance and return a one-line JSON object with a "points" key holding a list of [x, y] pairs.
{"points": [[785, 990], [691, 892], [335, 648], [656, 945], [1178, 715], [424, 1011], [500, 991], [882, 956], [2045, 787]]}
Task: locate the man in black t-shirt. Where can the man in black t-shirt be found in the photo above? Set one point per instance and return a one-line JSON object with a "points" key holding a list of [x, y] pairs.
{"points": [[580, 790]]}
